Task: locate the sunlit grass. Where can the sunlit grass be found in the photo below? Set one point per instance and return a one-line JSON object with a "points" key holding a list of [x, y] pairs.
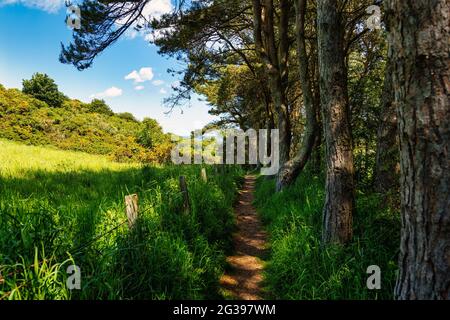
{"points": [[59, 206], [16, 160]]}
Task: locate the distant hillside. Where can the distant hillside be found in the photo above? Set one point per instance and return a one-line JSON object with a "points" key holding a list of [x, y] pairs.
{"points": [[91, 128]]}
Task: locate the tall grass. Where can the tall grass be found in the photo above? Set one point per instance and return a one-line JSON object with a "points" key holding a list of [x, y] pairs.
{"points": [[59, 208], [301, 268]]}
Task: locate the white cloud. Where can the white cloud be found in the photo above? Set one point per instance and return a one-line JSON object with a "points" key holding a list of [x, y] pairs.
{"points": [[158, 83], [50, 6], [157, 8], [175, 84], [139, 88], [153, 9], [145, 74], [108, 93], [163, 91]]}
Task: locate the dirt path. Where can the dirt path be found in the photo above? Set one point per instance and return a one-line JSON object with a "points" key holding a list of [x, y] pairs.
{"points": [[243, 280]]}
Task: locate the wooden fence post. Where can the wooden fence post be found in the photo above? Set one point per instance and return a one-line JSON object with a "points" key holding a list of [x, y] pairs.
{"points": [[184, 191], [132, 209], [204, 176]]}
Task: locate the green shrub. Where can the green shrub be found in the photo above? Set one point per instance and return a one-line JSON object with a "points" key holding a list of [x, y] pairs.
{"points": [[100, 106], [43, 88]]}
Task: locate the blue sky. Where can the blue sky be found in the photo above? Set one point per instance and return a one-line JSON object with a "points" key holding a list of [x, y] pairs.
{"points": [[130, 76]]}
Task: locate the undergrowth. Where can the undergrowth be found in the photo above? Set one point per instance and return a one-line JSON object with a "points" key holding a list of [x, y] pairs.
{"points": [[301, 268]]}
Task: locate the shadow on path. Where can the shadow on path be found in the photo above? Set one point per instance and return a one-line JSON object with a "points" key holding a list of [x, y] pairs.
{"points": [[243, 280]]}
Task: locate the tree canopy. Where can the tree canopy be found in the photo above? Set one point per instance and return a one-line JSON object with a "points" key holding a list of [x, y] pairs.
{"points": [[43, 88]]}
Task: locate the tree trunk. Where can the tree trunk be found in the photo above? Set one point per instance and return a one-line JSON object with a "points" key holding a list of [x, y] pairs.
{"points": [[387, 156], [338, 209], [275, 63], [278, 71], [419, 47], [292, 168], [317, 153]]}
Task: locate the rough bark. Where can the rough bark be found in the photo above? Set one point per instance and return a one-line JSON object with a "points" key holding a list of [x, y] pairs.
{"points": [[275, 63], [387, 175], [317, 151], [419, 47], [291, 169], [339, 198], [284, 119]]}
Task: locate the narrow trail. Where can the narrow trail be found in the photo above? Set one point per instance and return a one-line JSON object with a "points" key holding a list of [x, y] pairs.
{"points": [[243, 280]]}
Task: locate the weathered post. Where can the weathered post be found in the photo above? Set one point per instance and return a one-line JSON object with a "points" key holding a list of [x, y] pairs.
{"points": [[204, 176], [132, 209], [184, 191]]}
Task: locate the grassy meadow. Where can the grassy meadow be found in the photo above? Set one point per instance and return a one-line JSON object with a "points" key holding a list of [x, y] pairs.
{"points": [[59, 208]]}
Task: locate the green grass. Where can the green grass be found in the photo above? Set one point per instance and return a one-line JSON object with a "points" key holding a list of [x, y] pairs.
{"points": [[59, 208], [301, 268]]}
